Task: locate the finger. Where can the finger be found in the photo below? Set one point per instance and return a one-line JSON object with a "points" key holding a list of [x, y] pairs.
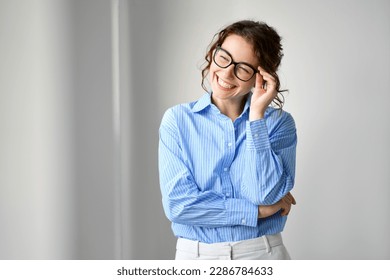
{"points": [[260, 79], [293, 201], [285, 211], [266, 76], [284, 205], [259, 83], [265, 73], [287, 199]]}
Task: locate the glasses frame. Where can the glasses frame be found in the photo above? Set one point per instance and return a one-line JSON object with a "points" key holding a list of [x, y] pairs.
{"points": [[218, 48]]}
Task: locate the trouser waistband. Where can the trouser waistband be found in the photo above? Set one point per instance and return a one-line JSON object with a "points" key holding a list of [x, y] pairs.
{"points": [[265, 242]]}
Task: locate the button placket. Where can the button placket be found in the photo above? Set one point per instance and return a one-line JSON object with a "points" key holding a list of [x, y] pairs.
{"points": [[229, 151]]}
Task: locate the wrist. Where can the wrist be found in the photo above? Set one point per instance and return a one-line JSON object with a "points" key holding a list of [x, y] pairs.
{"points": [[261, 213], [253, 115]]}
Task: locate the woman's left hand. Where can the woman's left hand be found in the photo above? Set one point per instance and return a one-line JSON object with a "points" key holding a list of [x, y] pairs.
{"points": [[263, 94]]}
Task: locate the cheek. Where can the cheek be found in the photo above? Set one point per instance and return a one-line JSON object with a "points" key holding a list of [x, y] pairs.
{"points": [[212, 70], [249, 85], [253, 82]]}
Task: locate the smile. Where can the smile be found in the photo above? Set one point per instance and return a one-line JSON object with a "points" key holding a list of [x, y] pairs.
{"points": [[224, 84]]}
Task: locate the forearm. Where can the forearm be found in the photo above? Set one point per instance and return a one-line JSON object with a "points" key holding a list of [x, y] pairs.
{"points": [[265, 180], [207, 209], [269, 167], [284, 205]]}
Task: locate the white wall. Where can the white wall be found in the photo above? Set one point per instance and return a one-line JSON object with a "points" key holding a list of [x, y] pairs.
{"points": [[96, 189], [57, 198], [35, 78], [337, 68]]}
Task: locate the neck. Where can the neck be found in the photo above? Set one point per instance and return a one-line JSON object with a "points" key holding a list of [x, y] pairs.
{"points": [[230, 108]]}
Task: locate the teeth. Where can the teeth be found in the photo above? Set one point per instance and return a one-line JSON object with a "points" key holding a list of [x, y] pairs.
{"points": [[224, 84]]}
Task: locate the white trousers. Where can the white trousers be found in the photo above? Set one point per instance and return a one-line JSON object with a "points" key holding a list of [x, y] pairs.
{"points": [[268, 247]]}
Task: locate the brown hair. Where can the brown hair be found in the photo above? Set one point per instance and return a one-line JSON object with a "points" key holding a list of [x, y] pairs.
{"points": [[266, 43]]}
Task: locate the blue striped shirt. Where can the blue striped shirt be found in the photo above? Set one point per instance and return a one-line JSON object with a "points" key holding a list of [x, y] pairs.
{"points": [[215, 172]]}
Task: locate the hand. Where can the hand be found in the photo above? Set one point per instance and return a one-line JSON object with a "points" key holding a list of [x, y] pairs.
{"points": [[263, 94], [284, 204]]}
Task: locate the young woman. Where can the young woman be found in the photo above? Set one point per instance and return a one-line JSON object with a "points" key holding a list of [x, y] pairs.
{"points": [[227, 161]]}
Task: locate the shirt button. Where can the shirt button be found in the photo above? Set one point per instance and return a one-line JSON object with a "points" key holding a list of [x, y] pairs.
{"points": [[225, 169], [228, 194], [230, 144], [243, 221], [256, 135]]}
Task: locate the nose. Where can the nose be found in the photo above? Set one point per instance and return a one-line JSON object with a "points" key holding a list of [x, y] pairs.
{"points": [[229, 72]]}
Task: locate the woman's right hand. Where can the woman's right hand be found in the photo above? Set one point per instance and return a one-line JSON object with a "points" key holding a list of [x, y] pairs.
{"points": [[284, 204]]}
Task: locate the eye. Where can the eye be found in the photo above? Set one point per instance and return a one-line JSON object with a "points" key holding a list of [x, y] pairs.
{"points": [[244, 69], [224, 57]]}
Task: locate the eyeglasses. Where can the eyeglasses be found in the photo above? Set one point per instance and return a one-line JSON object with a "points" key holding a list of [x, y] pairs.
{"points": [[242, 70]]}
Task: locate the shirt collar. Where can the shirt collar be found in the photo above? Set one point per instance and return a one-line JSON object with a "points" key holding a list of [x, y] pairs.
{"points": [[205, 101], [202, 103]]}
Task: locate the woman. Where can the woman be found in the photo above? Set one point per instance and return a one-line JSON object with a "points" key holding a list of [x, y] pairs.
{"points": [[227, 161]]}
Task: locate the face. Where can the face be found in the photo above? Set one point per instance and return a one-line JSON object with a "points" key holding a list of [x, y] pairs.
{"points": [[225, 85]]}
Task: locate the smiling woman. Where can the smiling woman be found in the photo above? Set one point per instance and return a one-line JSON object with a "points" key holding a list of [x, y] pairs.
{"points": [[264, 41], [229, 87], [227, 161]]}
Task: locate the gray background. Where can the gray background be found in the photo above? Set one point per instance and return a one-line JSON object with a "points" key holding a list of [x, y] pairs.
{"points": [[83, 86]]}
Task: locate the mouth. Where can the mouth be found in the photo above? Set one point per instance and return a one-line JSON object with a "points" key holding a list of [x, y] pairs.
{"points": [[224, 85]]}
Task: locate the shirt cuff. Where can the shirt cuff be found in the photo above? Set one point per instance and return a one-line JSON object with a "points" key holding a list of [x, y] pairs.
{"points": [[241, 212], [257, 135]]}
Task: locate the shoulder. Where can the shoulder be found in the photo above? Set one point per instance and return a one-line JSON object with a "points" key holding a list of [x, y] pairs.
{"points": [[278, 115], [277, 119], [176, 111], [177, 114], [188, 109]]}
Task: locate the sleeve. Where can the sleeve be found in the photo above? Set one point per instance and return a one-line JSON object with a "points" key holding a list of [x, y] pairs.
{"points": [[183, 201], [269, 171]]}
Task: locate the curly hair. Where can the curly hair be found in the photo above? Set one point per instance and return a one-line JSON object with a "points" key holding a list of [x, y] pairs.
{"points": [[266, 44]]}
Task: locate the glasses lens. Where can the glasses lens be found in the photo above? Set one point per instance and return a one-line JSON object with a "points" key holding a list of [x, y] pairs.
{"points": [[222, 58], [244, 72]]}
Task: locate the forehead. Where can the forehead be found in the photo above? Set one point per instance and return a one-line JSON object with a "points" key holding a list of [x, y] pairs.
{"points": [[240, 49]]}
